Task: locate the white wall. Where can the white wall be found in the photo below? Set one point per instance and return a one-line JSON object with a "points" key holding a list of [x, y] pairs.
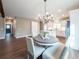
{"points": [[74, 29]]}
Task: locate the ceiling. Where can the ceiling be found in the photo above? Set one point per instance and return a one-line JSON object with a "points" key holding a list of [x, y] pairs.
{"points": [[31, 8]]}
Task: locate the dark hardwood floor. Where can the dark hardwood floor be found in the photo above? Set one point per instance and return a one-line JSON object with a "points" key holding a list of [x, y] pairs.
{"points": [[13, 48]]}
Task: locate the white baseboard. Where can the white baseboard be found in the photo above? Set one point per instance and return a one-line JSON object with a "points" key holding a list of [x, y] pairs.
{"points": [[19, 36], [2, 38]]}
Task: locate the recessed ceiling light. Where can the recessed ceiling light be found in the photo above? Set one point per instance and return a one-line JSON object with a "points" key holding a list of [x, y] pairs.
{"points": [[63, 15], [59, 10]]}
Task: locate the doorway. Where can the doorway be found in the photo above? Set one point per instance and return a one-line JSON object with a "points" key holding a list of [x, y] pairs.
{"points": [[10, 26], [8, 30]]}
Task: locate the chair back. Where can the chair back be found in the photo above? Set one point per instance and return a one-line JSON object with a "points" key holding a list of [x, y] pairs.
{"points": [[30, 45]]}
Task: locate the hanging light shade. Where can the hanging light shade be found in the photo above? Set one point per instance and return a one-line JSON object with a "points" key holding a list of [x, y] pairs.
{"points": [[47, 17]]}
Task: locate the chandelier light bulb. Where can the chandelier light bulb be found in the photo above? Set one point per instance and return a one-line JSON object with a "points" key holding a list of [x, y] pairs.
{"points": [[52, 15], [47, 13], [53, 18], [47, 16]]}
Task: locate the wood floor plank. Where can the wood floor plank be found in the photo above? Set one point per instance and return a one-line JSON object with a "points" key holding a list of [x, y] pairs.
{"points": [[13, 48]]}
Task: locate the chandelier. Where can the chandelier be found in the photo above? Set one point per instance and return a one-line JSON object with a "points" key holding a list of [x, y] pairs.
{"points": [[47, 17]]}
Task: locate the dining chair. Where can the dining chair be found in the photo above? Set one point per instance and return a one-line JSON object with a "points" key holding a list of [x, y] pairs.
{"points": [[34, 50], [53, 52]]}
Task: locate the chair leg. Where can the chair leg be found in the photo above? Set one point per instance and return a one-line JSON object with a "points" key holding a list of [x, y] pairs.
{"points": [[30, 56], [27, 56], [40, 57]]}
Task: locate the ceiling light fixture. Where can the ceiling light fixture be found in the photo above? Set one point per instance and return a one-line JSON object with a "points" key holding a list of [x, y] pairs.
{"points": [[59, 10], [47, 17]]}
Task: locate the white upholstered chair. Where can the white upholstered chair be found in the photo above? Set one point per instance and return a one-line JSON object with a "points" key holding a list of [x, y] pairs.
{"points": [[33, 49], [53, 52]]}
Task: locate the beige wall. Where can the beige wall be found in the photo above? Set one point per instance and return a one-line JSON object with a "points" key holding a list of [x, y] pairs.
{"points": [[2, 36], [23, 28]]}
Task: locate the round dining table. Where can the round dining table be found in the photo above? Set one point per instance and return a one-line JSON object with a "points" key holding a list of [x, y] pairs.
{"points": [[47, 41]]}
